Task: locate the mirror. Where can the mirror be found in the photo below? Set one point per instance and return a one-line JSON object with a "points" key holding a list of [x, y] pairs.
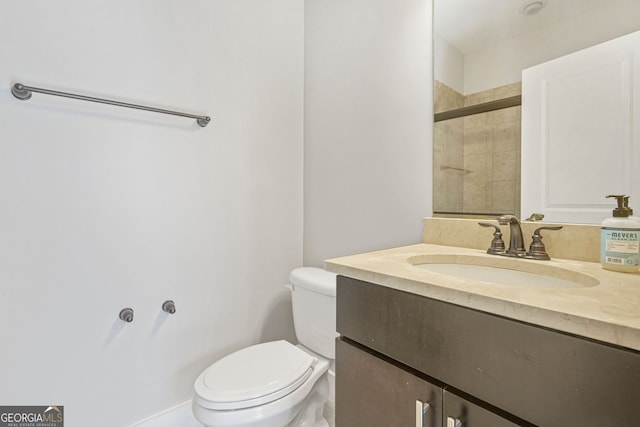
{"points": [[480, 50]]}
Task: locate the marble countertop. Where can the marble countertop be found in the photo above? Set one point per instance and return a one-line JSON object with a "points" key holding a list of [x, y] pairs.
{"points": [[608, 309]]}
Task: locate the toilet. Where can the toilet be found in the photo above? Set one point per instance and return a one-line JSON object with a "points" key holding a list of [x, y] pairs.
{"points": [[278, 384]]}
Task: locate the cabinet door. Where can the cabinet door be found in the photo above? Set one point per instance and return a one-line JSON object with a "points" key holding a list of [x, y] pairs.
{"points": [[371, 392], [459, 412]]}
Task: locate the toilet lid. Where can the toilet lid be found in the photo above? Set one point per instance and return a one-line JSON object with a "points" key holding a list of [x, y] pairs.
{"points": [[254, 376]]}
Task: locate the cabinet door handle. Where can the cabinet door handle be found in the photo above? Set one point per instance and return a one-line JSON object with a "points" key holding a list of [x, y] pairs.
{"points": [[421, 409], [453, 422]]}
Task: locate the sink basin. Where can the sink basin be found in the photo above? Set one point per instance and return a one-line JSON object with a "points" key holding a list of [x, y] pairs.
{"points": [[503, 271]]}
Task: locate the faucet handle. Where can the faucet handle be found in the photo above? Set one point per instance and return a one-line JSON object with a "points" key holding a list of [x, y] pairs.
{"points": [[497, 244], [535, 217], [537, 249], [547, 227]]}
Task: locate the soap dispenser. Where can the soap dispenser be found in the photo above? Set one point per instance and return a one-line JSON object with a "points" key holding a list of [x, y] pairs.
{"points": [[620, 239]]}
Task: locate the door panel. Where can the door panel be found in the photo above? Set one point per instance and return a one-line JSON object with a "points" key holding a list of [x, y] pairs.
{"points": [[371, 392], [580, 136], [459, 412]]}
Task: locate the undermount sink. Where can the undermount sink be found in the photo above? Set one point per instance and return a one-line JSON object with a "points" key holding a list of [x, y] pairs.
{"points": [[503, 271]]}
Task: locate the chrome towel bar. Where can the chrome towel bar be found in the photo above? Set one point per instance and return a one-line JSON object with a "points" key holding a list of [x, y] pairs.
{"points": [[23, 93]]}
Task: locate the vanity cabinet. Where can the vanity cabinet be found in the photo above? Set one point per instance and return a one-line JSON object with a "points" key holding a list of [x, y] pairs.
{"points": [[460, 412], [372, 391], [474, 369]]}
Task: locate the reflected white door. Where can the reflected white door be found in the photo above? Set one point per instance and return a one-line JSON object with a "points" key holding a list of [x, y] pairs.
{"points": [[580, 132]]}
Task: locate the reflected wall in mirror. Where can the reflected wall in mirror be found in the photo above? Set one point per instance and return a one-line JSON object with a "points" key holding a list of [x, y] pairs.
{"points": [[480, 50]]}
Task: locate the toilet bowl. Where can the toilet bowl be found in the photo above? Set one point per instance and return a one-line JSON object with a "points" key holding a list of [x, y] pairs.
{"points": [[277, 384]]}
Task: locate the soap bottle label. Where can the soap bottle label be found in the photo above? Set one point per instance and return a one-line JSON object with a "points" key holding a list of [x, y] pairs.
{"points": [[620, 246]]}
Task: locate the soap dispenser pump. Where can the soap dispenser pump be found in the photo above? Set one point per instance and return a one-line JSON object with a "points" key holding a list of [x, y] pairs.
{"points": [[620, 239]]}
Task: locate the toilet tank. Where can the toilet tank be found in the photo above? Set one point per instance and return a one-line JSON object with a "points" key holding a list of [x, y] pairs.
{"points": [[313, 297]]}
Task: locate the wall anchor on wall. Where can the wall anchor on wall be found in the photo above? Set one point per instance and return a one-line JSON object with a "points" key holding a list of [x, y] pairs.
{"points": [[23, 93], [169, 307], [126, 314]]}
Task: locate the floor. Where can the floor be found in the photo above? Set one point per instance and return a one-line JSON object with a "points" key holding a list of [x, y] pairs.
{"points": [[330, 413], [180, 416]]}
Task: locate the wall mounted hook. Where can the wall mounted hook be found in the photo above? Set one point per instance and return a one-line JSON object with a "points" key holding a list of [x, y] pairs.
{"points": [[169, 306], [126, 314]]}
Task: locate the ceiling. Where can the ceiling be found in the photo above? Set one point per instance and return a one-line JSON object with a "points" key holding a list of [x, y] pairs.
{"points": [[470, 25]]}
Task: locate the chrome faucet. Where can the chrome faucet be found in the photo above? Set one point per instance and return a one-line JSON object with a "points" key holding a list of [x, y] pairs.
{"points": [[516, 241]]}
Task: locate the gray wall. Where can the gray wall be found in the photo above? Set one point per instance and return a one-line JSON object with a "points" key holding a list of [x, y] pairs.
{"points": [[105, 207], [368, 125]]}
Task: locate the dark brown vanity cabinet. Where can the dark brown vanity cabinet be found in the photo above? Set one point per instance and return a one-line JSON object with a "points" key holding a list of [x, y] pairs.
{"points": [[460, 412], [375, 392], [399, 352]]}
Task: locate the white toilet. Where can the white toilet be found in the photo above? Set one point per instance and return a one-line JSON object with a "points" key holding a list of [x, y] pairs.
{"points": [[277, 384]]}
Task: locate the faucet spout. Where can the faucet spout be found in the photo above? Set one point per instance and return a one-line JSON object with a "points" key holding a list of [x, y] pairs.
{"points": [[516, 241]]}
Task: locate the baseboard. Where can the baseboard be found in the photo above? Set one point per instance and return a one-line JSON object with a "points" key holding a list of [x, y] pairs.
{"points": [[178, 416]]}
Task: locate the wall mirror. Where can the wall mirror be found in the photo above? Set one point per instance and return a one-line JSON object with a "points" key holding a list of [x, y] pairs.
{"points": [[480, 50]]}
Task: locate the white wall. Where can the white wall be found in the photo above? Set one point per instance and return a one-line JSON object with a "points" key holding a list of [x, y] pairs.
{"points": [[368, 124], [104, 208], [448, 64], [503, 62]]}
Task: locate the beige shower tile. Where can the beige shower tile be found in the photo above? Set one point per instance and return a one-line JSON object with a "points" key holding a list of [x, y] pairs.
{"points": [[480, 121], [478, 142], [453, 159], [445, 98], [477, 98], [448, 190], [506, 115], [476, 197], [503, 196], [504, 166], [505, 138], [478, 167], [506, 91]]}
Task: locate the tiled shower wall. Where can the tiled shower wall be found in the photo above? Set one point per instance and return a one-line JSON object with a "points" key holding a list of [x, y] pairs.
{"points": [[477, 158], [448, 152]]}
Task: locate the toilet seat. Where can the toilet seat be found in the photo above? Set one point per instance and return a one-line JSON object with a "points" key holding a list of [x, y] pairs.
{"points": [[254, 376]]}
